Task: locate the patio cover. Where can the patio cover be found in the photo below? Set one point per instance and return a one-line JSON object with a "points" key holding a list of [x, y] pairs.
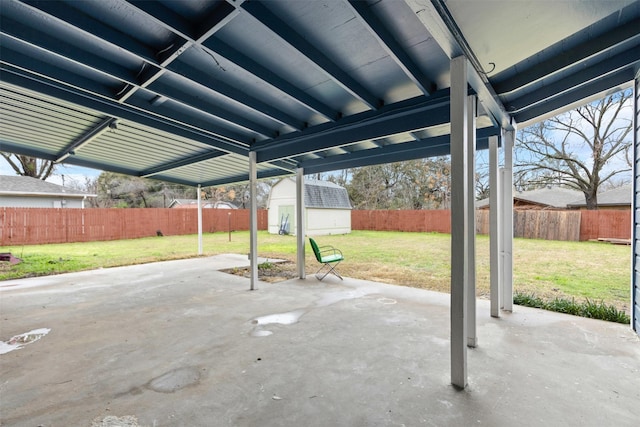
{"points": [[209, 92]]}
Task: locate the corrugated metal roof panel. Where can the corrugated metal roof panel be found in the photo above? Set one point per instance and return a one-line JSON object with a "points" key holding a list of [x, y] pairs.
{"points": [[322, 84]]}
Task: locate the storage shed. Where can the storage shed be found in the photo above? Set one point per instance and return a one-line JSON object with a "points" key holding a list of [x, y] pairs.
{"points": [[327, 208]]}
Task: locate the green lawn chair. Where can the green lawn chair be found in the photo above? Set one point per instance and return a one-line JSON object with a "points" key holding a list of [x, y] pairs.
{"points": [[328, 256]]}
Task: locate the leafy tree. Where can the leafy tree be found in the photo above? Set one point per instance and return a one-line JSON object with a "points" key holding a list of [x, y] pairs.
{"points": [[576, 149], [30, 166]]}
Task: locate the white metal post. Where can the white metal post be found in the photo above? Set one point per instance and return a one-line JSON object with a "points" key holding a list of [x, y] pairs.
{"points": [[459, 135], [253, 219], [507, 220], [635, 206], [470, 222], [300, 225], [494, 228], [199, 221]]}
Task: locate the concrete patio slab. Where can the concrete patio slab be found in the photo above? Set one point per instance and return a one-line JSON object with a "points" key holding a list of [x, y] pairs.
{"points": [[181, 344]]}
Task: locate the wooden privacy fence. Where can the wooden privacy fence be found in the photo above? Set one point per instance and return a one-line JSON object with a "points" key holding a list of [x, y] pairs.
{"points": [[405, 220], [25, 226], [533, 224], [606, 224]]}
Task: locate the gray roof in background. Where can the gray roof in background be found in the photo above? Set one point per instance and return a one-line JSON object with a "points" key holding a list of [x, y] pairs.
{"points": [[25, 185], [554, 197], [620, 196], [324, 194]]}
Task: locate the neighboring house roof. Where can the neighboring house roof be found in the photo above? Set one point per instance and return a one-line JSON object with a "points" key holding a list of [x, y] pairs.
{"points": [[15, 185], [554, 197], [620, 196], [193, 204]]}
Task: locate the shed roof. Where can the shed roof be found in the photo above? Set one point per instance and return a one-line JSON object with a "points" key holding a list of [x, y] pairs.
{"points": [[325, 194], [184, 91], [33, 187]]}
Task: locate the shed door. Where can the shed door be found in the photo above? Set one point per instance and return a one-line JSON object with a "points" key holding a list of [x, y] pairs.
{"points": [[635, 287], [286, 219]]}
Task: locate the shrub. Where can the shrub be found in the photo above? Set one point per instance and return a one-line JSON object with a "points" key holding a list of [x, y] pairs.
{"points": [[593, 310]]}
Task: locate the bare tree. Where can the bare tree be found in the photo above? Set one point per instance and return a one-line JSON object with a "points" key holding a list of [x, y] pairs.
{"points": [[576, 149], [30, 166], [414, 184]]}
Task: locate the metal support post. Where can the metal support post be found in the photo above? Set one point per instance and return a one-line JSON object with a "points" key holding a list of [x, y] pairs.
{"points": [[470, 223], [199, 221], [459, 134], [253, 219], [494, 228], [507, 221], [300, 219]]}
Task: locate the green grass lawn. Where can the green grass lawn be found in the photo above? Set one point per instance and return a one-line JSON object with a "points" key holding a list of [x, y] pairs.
{"points": [[548, 269]]}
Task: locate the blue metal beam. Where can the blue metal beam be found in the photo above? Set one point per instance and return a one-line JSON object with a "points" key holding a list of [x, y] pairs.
{"points": [[204, 28], [405, 116], [95, 28], [286, 165], [230, 92], [39, 67], [194, 35], [391, 46], [28, 64], [166, 18], [628, 59], [188, 33], [109, 107], [568, 57], [598, 86], [241, 178], [439, 23], [186, 161], [221, 48], [11, 147], [198, 103], [34, 38], [295, 40], [85, 139], [149, 55], [26, 151], [90, 88], [430, 147], [132, 82]]}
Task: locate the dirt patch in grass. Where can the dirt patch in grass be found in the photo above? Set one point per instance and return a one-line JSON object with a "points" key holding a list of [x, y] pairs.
{"points": [[268, 272]]}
